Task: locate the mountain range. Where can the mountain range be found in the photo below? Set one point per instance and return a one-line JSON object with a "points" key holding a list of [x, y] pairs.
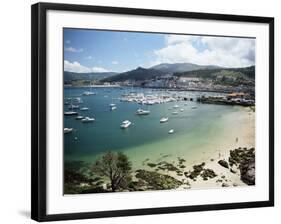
{"points": [[176, 69], [181, 67], [74, 76]]}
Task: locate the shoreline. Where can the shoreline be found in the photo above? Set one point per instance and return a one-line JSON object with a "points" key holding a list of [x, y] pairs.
{"points": [[211, 157], [209, 154]]}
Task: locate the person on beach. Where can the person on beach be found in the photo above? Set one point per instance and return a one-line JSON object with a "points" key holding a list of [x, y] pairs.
{"points": [[236, 139]]}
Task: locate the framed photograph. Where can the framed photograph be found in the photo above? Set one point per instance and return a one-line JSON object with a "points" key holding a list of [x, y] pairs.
{"points": [[139, 111]]}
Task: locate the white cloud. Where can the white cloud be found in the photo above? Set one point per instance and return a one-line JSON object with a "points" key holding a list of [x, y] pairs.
{"points": [[175, 39], [99, 69], [115, 62], [77, 67], [74, 50], [222, 51]]}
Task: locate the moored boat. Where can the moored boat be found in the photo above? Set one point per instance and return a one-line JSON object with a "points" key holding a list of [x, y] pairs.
{"points": [[70, 113], [142, 112], [88, 93], [84, 109], [125, 124], [72, 106], [164, 119], [88, 119], [67, 130]]}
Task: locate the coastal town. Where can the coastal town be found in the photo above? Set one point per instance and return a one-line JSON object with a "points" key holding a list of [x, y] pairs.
{"points": [[138, 120]]}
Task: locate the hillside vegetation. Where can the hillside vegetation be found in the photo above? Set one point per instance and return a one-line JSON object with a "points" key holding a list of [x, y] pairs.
{"points": [[245, 73]]}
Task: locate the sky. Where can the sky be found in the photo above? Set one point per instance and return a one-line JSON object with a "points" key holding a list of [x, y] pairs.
{"points": [[115, 51]]}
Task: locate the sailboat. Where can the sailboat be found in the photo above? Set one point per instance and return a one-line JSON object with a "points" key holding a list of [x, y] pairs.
{"points": [[73, 106], [164, 119], [89, 93], [141, 111], [112, 106]]}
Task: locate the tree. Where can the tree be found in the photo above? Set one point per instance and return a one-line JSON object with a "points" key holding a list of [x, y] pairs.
{"points": [[116, 167]]}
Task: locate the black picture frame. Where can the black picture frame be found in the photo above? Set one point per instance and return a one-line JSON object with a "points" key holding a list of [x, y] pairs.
{"points": [[39, 115]]}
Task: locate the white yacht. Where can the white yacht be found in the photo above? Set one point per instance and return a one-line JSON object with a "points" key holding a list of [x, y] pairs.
{"points": [[79, 117], [77, 100], [176, 106], [164, 119], [181, 110], [84, 109], [112, 106], [125, 124], [171, 131], [175, 113], [142, 112], [88, 93], [67, 130], [88, 119], [72, 106], [69, 113]]}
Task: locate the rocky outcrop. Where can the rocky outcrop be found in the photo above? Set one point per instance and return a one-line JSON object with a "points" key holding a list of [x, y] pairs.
{"points": [[152, 180], [247, 171], [223, 163], [208, 173], [244, 159]]}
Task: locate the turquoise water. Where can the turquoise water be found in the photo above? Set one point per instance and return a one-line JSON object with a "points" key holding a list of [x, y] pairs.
{"points": [[194, 128]]}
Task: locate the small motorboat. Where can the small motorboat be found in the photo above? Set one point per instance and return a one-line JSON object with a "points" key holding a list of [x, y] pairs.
{"points": [[164, 119], [77, 100], [181, 110], [171, 131], [142, 112], [67, 130], [194, 107], [125, 124], [88, 93], [79, 117], [73, 107], [175, 113], [70, 113], [88, 119], [84, 109], [113, 108], [176, 106]]}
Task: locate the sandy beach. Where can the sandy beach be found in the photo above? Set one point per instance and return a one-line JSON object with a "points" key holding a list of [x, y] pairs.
{"points": [[242, 134]]}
